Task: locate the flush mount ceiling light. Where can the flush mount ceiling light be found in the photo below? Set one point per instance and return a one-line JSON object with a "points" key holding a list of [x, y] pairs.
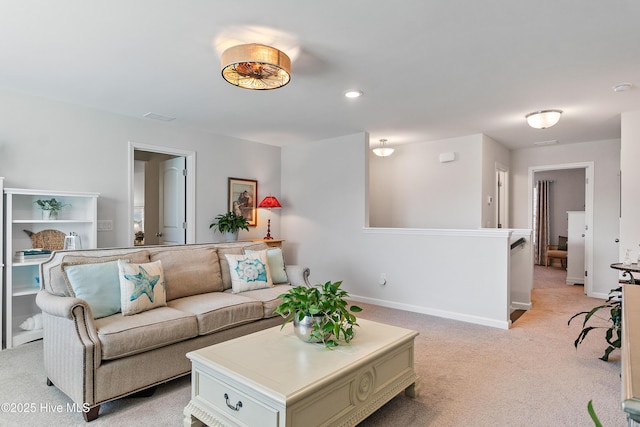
{"points": [[543, 119], [256, 66], [382, 150]]}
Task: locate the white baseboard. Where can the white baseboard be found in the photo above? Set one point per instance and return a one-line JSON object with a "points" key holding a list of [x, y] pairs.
{"points": [[520, 305], [435, 312], [575, 280]]}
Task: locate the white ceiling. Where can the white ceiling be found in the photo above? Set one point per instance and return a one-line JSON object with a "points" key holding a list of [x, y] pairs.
{"points": [[429, 69]]}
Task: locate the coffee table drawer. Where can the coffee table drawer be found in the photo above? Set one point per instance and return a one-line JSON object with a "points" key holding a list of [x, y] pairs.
{"points": [[235, 406]]}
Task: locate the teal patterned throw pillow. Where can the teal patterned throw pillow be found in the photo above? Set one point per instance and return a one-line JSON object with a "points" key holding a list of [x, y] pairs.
{"points": [[142, 287], [276, 264], [249, 272]]}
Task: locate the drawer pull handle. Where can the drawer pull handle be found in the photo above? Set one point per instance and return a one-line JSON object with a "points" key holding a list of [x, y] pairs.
{"points": [[235, 408]]}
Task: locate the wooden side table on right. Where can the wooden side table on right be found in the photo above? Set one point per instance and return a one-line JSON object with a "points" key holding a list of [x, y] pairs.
{"points": [[272, 243]]}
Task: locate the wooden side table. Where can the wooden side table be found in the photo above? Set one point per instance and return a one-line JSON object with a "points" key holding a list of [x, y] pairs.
{"points": [[272, 243]]}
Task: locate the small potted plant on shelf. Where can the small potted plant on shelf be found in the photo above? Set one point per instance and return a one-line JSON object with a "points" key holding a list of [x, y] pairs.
{"points": [[319, 313], [50, 208], [230, 224]]}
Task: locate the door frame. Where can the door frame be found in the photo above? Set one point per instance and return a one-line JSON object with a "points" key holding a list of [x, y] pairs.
{"points": [[190, 207], [499, 167], [588, 211]]}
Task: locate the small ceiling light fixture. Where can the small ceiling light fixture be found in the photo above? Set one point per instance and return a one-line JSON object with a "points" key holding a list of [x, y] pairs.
{"points": [[382, 150], [543, 119], [256, 66], [353, 94]]}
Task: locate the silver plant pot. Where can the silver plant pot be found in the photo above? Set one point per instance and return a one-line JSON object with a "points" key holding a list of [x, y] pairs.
{"points": [[304, 328]]}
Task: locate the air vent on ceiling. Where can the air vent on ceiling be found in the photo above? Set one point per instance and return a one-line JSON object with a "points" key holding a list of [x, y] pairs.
{"points": [[550, 142], [156, 116]]}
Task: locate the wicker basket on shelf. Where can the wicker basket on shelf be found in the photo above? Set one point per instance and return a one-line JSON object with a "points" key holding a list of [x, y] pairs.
{"points": [[52, 240]]}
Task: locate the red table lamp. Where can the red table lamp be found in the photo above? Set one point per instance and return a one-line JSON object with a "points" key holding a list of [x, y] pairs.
{"points": [[269, 202]]}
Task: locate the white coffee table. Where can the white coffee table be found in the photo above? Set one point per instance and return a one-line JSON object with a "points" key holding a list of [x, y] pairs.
{"points": [[272, 378]]}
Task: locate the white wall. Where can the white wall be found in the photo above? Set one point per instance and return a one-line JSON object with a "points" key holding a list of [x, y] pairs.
{"points": [[630, 185], [414, 190], [51, 145], [460, 274], [606, 158]]}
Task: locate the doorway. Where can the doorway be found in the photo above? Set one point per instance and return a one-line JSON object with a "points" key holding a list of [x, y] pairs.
{"points": [[165, 212], [587, 167], [502, 196]]}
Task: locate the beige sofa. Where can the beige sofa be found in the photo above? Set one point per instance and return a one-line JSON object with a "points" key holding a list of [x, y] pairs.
{"points": [[94, 361]]}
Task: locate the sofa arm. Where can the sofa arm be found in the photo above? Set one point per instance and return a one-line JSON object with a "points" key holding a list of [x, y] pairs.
{"points": [[59, 306], [72, 349], [298, 275]]}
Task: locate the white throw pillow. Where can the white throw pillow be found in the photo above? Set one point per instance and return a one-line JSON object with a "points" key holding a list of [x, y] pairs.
{"points": [[249, 271], [142, 287]]}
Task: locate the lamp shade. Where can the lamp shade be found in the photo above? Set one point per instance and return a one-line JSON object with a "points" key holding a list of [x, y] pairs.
{"points": [[270, 202], [543, 119], [256, 66]]}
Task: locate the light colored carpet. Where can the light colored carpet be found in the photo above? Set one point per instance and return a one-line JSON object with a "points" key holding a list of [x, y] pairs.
{"points": [[530, 375]]}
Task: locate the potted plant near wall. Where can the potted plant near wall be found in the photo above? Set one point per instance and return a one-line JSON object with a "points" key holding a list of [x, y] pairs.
{"points": [[612, 322], [230, 224], [319, 313], [50, 208]]}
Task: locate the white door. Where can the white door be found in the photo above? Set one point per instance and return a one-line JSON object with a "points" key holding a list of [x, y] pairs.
{"points": [[575, 247], [172, 215]]}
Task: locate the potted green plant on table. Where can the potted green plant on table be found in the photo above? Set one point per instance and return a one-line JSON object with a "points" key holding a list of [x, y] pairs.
{"points": [[50, 208], [319, 313], [230, 224], [613, 335]]}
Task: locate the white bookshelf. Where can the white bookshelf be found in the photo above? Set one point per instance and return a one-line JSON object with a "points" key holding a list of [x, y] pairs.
{"points": [[22, 278]]}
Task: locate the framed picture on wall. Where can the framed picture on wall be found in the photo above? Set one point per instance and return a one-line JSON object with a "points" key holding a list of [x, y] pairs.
{"points": [[242, 198]]}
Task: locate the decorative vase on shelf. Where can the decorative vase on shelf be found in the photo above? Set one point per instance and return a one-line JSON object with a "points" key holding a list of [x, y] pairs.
{"points": [[49, 215]]}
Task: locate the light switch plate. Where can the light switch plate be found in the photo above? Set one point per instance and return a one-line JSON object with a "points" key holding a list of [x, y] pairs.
{"points": [[105, 225]]}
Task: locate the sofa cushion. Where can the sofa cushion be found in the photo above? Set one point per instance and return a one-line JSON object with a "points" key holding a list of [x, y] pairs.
{"points": [[58, 285], [276, 265], [216, 311], [268, 297], [237, 249], [98, 284], [190, 271], [142, 287], [249, 271], [123, 336]]}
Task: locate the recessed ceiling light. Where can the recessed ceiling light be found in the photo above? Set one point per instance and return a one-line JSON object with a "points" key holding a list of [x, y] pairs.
{"points": [[550, 142], [353, 94], [156, 116], [621, 87]]}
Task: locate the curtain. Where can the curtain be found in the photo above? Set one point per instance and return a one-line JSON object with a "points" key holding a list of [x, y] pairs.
{"points": [[542, 221]]}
